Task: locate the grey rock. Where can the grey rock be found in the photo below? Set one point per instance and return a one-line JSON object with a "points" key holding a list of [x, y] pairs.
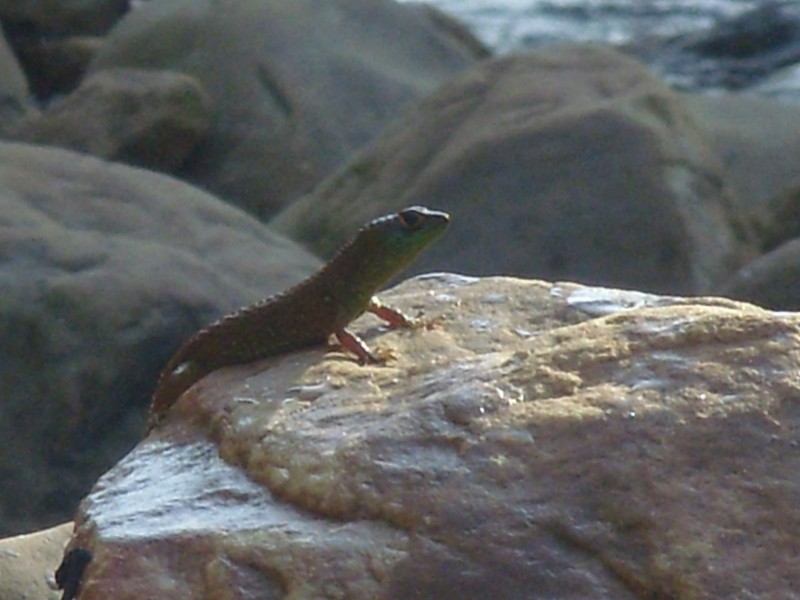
{"points": [[63, 16], [152, 119], [568, 163], [772, 280], [758, 141], [104, 270], [296, 86], [13, 86]]}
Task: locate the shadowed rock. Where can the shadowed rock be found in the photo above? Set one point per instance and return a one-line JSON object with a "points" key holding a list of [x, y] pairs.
{"points": [[295, 87], [104, 271], [151, 119]]}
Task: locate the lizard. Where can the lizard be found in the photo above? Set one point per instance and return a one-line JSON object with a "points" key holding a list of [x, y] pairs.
{"points": [[311, 311]]}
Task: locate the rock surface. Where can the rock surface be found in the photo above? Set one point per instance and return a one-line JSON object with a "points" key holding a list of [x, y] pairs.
{"points": [[28, 561], [13, 86], [757, 140], [151, 119], [57, 17], [544, 441], [104, 270], [573, 162], [295, 88], [771, 280]]}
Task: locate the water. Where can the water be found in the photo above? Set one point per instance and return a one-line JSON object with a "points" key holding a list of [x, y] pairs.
{"points": [[512, 25], [506, 25]]}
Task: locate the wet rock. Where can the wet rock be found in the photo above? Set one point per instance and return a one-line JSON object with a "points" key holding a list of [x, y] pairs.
{"points": [[782, 85], [736, 52], [104, 270], [573, 162], [152, 119], [546, 440], [28, 561], [295, 88]]}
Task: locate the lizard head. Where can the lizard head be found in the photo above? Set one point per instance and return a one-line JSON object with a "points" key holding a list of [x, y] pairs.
{"points": [[394, 241], [379, 251]]}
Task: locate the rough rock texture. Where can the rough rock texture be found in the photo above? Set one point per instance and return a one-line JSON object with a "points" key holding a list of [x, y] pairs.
{"points": [[296, 86], [573, 162], [758, 142], [27, 563], [104, 270], [152, 119], [544, 441]]}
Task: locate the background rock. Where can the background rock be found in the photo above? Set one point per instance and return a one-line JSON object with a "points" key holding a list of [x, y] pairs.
{"points": [[55, 66], [104, 270], [26, 562], [152, 119], [13, 86], [53, 39], [63, 16], [295, 87], [572, 162], [771, 280], [734, 53], [759, 144], [546, 441]]}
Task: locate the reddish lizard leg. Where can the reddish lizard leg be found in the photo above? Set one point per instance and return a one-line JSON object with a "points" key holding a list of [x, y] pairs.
{"points": [[355, 344], [392, 316]]}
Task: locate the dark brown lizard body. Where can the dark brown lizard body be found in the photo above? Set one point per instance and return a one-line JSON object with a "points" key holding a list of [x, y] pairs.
{"points": [[310, 312]]}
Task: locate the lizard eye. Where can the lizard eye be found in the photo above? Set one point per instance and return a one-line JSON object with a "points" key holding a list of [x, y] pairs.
{"points": [[411, 218]]}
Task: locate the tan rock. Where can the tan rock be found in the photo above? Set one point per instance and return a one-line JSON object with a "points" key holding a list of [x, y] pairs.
{"points": [[573, 162], [545, 441], [27, 563]]}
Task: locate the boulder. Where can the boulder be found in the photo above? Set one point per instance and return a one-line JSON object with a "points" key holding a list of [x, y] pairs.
{"points": [[772, 280], [735, 53], [55, 38], [758, 141], [779, 219], [60, 17], [543, 441], [104, 270], [295, 87], [13, 86], [55, 66], [27, 563], [152, 119], [573, 162]]}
